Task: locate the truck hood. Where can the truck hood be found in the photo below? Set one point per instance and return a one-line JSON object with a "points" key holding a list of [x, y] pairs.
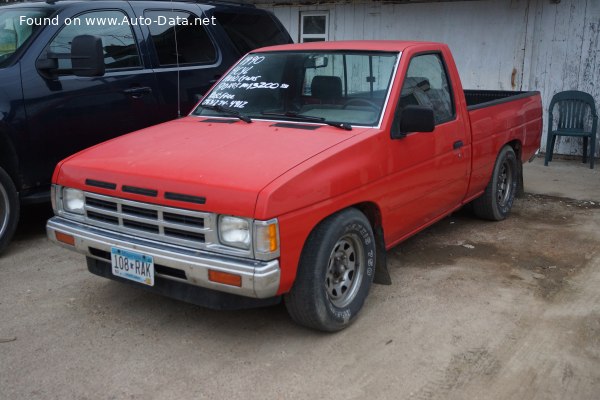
{"points": [[227, 162]]}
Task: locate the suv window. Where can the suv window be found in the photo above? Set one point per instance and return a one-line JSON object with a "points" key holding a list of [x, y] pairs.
{"points": [[243, 32], [426, 84], [13, 34], [193, 43], [118, 41]]}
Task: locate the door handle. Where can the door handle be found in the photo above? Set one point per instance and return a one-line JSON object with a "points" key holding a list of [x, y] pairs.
{"points": [[457, 145], [138, 91]]}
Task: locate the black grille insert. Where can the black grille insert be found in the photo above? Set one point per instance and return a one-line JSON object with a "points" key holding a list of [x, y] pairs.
{"points": [[100, 184], [140, 191], [103, 217], [139, 212], [106, 205], [198, 237], [100, 253], [174, 272], [184, 220], [185, 197], [127, 223]]}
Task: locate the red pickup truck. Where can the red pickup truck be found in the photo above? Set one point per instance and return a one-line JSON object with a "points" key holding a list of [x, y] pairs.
{"points": [[293, 175]]}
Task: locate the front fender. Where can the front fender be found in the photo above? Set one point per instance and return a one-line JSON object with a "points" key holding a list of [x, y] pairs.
{"points": [[340, 177]]}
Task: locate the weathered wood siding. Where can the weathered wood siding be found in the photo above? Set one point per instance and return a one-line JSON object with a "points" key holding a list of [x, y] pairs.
{"points": [[563, 53], [497, 44]]}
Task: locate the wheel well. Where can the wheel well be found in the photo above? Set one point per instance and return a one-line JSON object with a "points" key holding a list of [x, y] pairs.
{"points": [[517, 147], [373, 214], [371, 211]]}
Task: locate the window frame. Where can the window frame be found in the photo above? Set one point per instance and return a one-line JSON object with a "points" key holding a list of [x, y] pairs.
{"points": [[69, 72], [303, 36], [438, 53], [157, 63]]}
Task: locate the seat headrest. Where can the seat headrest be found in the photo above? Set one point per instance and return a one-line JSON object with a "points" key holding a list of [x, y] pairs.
{"points": [[326, 87]]}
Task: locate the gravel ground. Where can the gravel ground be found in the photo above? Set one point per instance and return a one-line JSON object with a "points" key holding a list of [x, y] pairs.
{"points": [[506, 310]]}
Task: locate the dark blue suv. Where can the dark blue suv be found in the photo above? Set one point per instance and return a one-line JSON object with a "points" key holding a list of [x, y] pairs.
{"points": [[76, 73]]}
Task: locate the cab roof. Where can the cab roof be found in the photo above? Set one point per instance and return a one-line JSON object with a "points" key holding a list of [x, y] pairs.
{"points": [[356, 45]]}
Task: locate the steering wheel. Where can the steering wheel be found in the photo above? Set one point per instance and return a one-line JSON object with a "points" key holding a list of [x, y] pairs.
{"points": [[361, 102]]}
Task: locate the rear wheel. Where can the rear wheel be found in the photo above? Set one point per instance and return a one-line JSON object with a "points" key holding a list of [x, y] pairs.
{"points": [[9, 209], [499, 195], [335, 273]]}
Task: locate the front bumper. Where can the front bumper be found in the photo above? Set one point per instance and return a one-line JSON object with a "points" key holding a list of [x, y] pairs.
{"points": [[260, 279]]}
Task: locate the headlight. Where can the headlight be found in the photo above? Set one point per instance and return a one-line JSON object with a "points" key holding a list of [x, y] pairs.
{"points": [[234, 232], [266, 239], [73, 200]]}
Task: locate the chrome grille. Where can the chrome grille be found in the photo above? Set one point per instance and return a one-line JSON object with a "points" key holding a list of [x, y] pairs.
{"points": [[173, 225]]}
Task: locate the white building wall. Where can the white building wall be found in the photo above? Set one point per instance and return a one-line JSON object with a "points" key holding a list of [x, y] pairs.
{"points": [[497, 44]]}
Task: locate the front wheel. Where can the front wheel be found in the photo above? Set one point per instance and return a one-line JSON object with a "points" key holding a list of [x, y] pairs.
{"points": [[9, 209], [499, 195], [334, 274]]}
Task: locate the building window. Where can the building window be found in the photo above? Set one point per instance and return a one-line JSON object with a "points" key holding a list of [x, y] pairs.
{"points": [[314, 26]]}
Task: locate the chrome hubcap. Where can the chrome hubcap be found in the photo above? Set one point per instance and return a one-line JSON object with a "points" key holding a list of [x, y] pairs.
{"points": [[344, 270], [4, 210], [504, 184]]}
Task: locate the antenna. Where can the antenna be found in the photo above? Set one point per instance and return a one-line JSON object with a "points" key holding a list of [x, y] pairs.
{"points": [[177, 62]]}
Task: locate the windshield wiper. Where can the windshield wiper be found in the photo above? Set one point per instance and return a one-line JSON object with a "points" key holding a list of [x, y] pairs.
{"points": [[227, 110], [308, 118]]}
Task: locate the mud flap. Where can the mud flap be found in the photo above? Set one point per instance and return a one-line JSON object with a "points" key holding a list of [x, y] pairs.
{"points": [[382, 275]]}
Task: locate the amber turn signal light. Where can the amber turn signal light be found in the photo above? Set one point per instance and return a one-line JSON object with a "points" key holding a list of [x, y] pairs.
{"points": [[224, 278], [64, 238]]}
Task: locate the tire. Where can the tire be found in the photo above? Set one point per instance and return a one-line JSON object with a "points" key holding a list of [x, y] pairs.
{"points": [[9, 209], [499, 195], [335, 272]]}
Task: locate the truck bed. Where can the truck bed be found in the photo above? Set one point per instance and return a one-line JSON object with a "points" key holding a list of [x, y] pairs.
{"points": [[496, 117], [484, 98]]}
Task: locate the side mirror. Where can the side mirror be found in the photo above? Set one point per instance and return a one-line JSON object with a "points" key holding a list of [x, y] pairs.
{"points": [[87, 56], [413, 119]]}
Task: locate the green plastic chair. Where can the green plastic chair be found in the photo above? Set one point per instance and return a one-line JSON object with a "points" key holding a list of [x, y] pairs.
{"points": [[573, 107]]}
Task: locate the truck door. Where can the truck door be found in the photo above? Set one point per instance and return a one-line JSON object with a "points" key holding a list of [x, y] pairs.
{"points": [[67, 113], [431, 168]]}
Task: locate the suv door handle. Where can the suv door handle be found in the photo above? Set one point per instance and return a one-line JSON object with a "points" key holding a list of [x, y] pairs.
{"points": [[138, 91], [457, 145]]}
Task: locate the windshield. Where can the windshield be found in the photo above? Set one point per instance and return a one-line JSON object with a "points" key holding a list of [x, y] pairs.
{"points": [[16, 26], [342, 87]]}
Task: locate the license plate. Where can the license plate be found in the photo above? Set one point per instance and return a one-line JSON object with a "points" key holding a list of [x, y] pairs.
{"points": [[133, 266]]}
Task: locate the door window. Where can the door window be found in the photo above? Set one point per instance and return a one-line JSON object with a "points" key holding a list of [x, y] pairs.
{"points": [[183, 43], [426, 84], [118, 41]]}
